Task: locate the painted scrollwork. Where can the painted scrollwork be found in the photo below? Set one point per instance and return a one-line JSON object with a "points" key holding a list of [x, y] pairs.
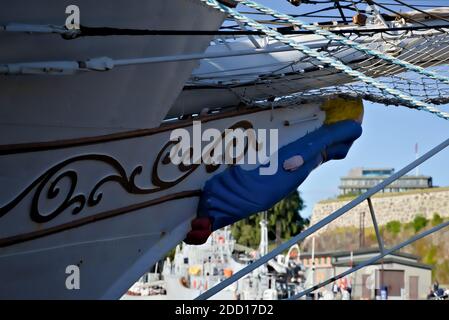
{"points": [[48, 185]]}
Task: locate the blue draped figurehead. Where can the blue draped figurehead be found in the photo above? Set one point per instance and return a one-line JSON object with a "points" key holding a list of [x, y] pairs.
{"points": [[235, 193]]}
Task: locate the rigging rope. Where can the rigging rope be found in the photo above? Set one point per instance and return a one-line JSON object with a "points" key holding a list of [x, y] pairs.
{"points": [[324, 59], [350, 43]]}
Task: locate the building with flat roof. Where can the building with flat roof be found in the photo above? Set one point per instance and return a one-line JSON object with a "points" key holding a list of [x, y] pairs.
{"points": [[401, 273], [359, 180]]}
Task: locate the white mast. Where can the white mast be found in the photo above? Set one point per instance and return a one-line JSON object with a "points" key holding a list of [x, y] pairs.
{"points": [[263, 246]]}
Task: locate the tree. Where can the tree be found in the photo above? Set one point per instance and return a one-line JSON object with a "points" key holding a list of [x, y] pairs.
{"points": [[285, 213], [393, 227], [419, 222], [436, 219]]}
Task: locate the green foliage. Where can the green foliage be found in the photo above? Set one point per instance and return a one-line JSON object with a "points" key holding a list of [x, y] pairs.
{"points": [[419, 222], [249, 234], [409, 226], [349, 195], [441, 272], [436, 219], [431, 255], [170, 254], [285, 213], [393, 227]]}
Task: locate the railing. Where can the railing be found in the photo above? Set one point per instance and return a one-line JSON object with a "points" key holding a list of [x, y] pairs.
{"points": [[364, 197]]}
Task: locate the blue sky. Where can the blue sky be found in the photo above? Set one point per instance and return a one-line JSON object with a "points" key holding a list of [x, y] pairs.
{"points": [[388, 140]]}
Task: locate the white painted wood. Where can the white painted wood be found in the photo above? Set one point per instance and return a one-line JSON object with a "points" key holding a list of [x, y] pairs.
{"points": [[41, 108], [112, 253]]}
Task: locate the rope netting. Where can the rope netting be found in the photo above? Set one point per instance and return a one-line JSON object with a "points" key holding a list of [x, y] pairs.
{"points": [[400, 67], [430, 51], [422, 88]]}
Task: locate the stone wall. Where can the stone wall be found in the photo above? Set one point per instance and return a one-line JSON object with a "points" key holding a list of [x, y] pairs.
{"points": [[403, 207]]}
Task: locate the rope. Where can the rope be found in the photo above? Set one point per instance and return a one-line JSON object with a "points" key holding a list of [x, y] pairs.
{"points": [[324, 59], [86, 31], [350, 43]]}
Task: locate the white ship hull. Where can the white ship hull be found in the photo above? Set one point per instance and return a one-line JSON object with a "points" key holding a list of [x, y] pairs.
{"points": [[40, 237], [47, 107], [81, 187], [110, 205]]}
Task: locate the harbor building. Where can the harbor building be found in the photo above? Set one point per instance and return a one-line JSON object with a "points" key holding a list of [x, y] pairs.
{"points": [[359, 180], [401, 273]]}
